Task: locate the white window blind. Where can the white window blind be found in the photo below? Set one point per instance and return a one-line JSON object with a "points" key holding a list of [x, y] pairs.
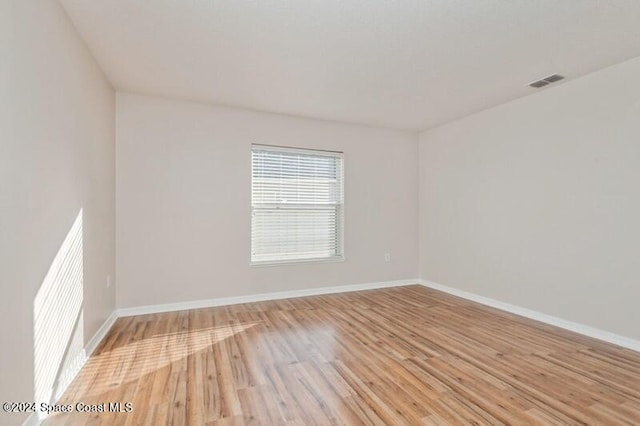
{"points": [[297, 205]]}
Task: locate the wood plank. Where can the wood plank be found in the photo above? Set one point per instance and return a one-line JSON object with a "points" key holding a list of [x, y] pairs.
{"points": [[406, 355]]}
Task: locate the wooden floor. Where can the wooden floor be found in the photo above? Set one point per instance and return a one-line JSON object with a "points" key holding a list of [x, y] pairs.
{"points": [[406, 355]]}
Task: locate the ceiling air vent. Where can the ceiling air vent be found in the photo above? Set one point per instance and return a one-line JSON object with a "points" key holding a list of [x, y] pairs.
{"points": [[545, 81]]}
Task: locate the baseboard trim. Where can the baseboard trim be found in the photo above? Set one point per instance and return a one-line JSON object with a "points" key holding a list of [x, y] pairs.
{"points": [[94, 342], [208, 303], [585, 330], [90, 347], [100, 334]]}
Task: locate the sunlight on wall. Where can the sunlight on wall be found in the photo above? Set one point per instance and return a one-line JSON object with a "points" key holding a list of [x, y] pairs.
{"points": [[57, 319]]}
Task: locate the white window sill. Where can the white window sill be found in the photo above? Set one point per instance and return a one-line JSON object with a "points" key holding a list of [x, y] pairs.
{"points": [[267, 263]]}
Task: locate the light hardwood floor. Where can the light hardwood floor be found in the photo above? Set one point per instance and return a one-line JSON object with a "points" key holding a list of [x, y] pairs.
{"points": [[405, 355]]}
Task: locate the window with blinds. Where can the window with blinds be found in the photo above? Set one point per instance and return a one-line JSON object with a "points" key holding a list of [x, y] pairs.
{"points": [[297, 203]]}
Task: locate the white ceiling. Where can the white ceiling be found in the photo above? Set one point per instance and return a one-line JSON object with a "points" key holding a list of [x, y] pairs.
{"points": [[409, 64]]}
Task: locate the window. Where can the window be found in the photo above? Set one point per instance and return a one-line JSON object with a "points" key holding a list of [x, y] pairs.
{"points": [[297, 205]]}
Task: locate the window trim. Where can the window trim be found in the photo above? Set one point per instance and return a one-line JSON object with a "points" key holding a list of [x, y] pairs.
{"points": [[341, 236]]}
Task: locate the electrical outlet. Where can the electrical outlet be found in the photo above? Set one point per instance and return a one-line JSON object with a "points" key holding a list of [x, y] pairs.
{"points": [[108, 281], [387, 257]]}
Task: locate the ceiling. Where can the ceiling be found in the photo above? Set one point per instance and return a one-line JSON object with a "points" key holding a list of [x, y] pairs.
{"points": [[409, 64]]}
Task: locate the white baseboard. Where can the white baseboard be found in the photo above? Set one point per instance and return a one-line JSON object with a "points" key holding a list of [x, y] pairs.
{"points": [[208, 303], [585, 330], [34, 419], [93, 343], [100, 334]]}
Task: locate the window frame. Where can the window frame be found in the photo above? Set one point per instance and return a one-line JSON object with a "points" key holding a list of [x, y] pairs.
{"points": [[339, 207]]}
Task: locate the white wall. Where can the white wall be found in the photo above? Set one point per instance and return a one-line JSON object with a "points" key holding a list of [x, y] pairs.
{"points": [[183, 201], [57, 143], [537, 202]]}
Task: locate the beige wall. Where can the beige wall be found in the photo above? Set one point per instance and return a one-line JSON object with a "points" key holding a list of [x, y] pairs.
{"points": [[57, 116], [537, 202], [183, 202]]}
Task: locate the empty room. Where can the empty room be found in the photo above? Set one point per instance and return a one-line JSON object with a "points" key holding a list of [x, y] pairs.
{"points": [[320, 212]]}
